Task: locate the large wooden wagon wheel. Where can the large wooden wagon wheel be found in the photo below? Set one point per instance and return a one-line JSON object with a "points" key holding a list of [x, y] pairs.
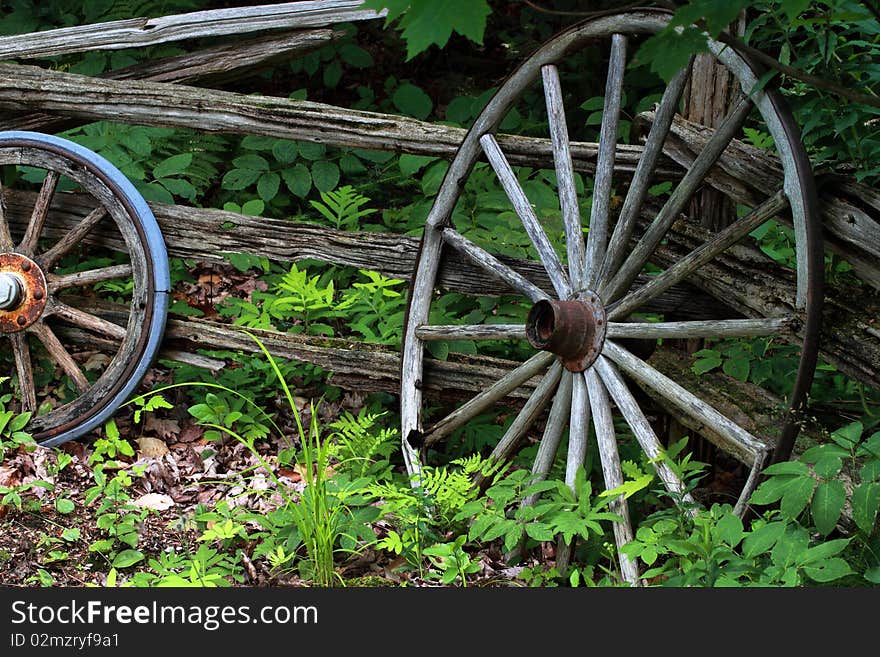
{"points": [[54, 338], [578, 326]]}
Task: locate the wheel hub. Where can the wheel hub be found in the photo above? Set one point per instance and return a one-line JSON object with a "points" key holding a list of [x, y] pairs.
{"points": [[574, 330], [23, 292]]}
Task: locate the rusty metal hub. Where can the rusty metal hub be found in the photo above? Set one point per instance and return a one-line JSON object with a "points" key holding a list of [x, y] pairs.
{"points": [[574, 329], [23, 292]]}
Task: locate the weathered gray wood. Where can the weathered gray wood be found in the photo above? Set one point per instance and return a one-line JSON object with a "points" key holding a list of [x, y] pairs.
{"points": [[578, 430], [472, 332], [682, 193], [140, 32], [754, 286], [84, 320], [493, 265], [29, 89], [641, 428], [597, 238], [557, 422], [38, 216], [24, 368], [603, 424], [523, 207], [60, 355], [700, 256], [70, 239], [203, 234], [58, 282], [489, 396], [6, 243], [524, 420], [850, 211], [715, 328], [216, 65], [734, 439], [568, 202], [642, 178]]}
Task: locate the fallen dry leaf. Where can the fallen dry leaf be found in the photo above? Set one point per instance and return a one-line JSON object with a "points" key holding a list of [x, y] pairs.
{"points": [[9, 476], [152, 447], [162, 427], [156, 501]]}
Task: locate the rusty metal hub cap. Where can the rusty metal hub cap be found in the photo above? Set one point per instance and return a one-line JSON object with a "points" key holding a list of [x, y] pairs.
{"points": [[23, 292], [574, 330]]}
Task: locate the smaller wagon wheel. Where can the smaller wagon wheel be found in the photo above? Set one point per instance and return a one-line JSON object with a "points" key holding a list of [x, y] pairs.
{"points": [[594, 287], [54, 317]]}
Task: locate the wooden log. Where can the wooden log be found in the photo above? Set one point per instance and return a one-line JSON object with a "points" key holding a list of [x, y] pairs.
{"points": [[215, 64], [755, 286], [30, 89], [850, 211], [140, 32], [204, 234]]}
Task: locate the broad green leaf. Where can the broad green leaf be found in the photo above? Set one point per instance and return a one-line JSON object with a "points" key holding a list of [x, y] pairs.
{"points": [[771, 490], [179, 187], [412, 101], [828, 466], [794, 8], [848, 436], [829, 570], [412, 164], [64, 505], [285, 151], [827, 505], [706, 361], [826, 549], [251, 161], [539, 531], [738, 368], [298, 180], [354, 55], [796, 497], [430, 22], [865, 505], [239, 179], [787, 468], [870, 471], [730, 529], [325, 175], [173, 166], [267, 185], [791, 547], [127, 558], [762, 539]]}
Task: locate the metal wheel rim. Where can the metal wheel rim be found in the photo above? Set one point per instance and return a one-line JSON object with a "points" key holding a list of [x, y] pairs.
{"points": [[138, 228], [798, 191]]}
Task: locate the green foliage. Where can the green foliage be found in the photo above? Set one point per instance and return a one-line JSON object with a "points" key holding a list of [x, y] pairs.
{"points": [[424, 23], [713, 548]]}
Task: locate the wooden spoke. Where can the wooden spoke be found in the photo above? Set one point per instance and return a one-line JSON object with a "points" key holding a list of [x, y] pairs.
{"points": [[34, 229], [492, 265], [603, 423], [733, 438], [633, 264], [718, 328], [89, 277], [527, 215], [485, 399], [71, 239], [60, 355], [23, 366], [556, 424], [641, 181], [568, 203], [641, 428], [6, 243], [578, 429], [534, 406], [472, 332], [597, 238], [699, 256], [86, 320]]}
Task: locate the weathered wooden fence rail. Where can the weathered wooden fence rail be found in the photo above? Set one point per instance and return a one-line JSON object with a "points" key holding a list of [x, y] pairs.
{"points": [[742, 279]]}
